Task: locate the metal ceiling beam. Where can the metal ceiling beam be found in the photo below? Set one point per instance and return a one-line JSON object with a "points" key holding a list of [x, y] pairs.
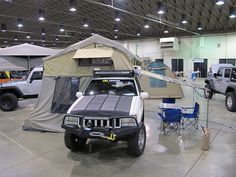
{"points": [[140, 16]]}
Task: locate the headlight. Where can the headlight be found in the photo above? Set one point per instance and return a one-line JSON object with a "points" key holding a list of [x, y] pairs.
{"points": [[71, 120], [128, 122]]}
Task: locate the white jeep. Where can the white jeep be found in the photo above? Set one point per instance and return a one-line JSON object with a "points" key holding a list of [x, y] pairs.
{"points": [[111, 108], [13, 91], [223, 81]]}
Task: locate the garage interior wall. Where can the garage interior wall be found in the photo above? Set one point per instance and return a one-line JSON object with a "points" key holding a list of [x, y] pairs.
{"points": [[211, 47]]}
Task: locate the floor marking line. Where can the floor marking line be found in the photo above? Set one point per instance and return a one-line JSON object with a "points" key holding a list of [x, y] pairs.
{"points": [[16, 143], [201, 155]]}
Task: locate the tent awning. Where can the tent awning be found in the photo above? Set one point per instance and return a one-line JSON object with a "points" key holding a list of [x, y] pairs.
{"points": [[93, 53]]}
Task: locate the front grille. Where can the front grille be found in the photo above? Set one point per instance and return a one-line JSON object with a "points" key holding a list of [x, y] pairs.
{"points": [[100, 122]]}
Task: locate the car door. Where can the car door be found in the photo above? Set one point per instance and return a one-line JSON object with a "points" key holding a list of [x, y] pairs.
{"points": [[35, 82], [218, 80], [225, 79]]}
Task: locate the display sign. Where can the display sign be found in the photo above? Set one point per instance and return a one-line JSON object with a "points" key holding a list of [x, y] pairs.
{"points": [[198, 60]]}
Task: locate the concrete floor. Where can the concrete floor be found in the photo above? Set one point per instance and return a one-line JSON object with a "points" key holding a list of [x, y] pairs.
{"points": [[34, 154]]}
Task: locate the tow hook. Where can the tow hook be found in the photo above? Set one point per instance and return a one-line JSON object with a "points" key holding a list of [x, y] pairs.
{"points": [[112, 136]]}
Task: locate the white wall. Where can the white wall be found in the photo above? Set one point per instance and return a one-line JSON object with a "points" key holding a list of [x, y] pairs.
{"points": [[211, 47]]}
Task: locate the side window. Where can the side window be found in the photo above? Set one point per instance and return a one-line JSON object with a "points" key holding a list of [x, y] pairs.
{"points": [[220, 72], [37, 75], [3, 75], [227, 73], [233, 75]]}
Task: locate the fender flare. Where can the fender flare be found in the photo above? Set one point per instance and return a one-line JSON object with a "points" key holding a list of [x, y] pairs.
{"points": [[12, 89]]}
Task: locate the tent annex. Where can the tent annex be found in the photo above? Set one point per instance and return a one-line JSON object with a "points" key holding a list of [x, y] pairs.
{"points": [[69, 71], [159, 88], [24, 56]]}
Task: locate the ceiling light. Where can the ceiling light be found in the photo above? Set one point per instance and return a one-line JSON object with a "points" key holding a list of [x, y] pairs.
{"points": [[41, 15], [15, 38], [28, 37], [115, 37], [92, 33], [5, 41], [219, 2], [199, 28], [184, 19], [232, 12], [53, 44], [62, 28], [117, 18], [43, 32], [43, 39], [146, 26], [56, 39], [166, 31], [19, 23], [160, 8], [85, 24], [3, 27], [116, 29], [138, 34], [72, 5]]}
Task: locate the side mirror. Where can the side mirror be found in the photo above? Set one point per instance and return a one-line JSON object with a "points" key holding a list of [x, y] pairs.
{"points": [[79, 94], [31, 80], [144, 95]]}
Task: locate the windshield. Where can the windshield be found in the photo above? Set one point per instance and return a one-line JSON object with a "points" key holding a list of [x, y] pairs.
{"points": [[111, 87]]}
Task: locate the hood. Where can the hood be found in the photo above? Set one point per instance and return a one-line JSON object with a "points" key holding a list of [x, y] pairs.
{"points": [[102, 105]]}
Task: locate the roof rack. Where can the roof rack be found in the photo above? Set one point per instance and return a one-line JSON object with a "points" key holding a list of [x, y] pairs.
{"points": [[113, 73]]}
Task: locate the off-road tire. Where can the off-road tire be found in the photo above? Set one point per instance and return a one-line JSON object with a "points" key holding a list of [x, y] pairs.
{"points": [[208, 94], [73, 142], [8, 101], [137, 142], [230, 101]]}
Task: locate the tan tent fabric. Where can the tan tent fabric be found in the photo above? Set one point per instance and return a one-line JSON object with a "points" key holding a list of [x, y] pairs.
{"points": [[170, 91], [94, 53], [121, 61], [61, 66], [96, 39]]}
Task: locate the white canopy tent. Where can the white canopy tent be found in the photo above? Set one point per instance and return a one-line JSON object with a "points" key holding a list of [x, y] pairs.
{"points": [[24, 56], [9, 63]]}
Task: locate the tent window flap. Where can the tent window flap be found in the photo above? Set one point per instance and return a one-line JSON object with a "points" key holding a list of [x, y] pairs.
{"points": [[64, 94], [95, 62]]}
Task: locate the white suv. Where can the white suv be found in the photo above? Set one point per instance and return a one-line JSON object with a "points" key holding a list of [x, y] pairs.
{"points": [[110, 108], [13, 91], [223, 82]]}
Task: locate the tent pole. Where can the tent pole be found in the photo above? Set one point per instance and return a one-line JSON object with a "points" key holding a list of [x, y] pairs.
{"points": [[207, 112], [28, 62]]}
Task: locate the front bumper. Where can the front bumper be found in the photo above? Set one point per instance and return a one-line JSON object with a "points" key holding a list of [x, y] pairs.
{"points": [[110, 133]]}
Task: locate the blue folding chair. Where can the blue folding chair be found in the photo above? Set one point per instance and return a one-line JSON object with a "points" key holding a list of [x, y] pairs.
{"points": [[171, 121], [191, 118]]}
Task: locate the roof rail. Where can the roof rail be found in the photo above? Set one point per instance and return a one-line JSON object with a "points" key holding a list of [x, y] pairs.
{"points": [[113, 73]]}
